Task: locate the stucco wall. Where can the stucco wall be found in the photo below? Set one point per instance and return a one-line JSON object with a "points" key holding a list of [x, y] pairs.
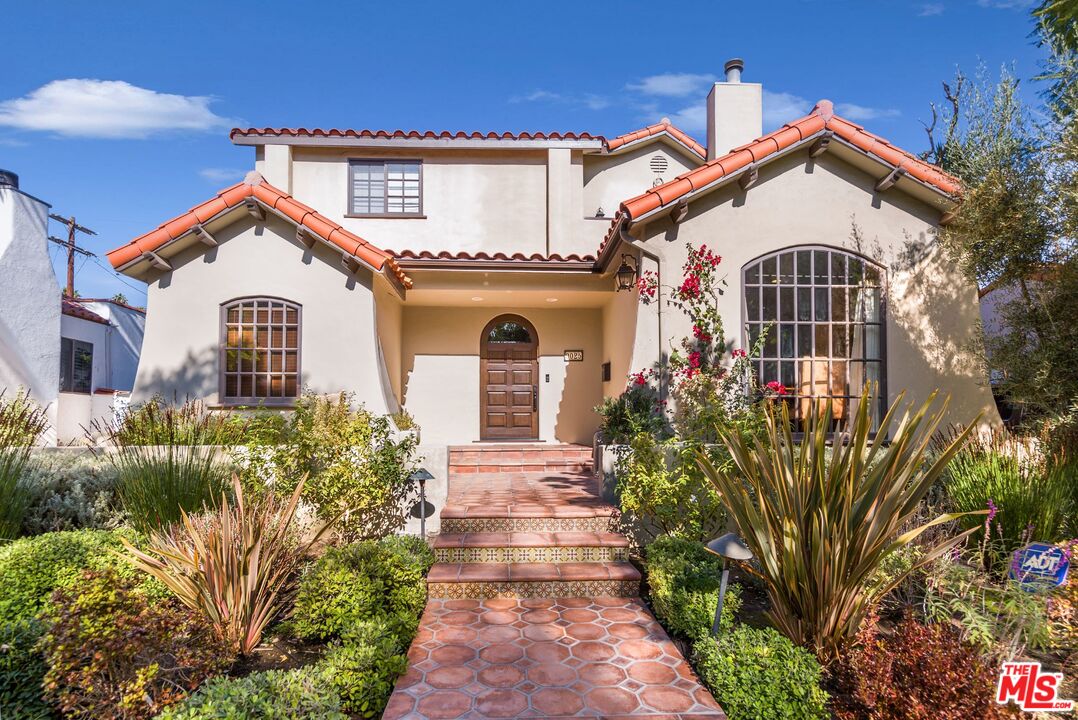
{"points": [[932, 312], [338, 340], [29, 302], [97, 335], [611, 179], [441, 371], [125, 343], [480, 201]]}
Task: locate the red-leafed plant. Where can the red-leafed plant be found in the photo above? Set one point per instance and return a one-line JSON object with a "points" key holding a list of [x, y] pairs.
{"points": [[112, 653], [921, 672]]}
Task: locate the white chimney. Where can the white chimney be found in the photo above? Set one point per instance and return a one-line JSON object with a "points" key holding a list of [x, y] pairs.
{"points": [[734, 111]]}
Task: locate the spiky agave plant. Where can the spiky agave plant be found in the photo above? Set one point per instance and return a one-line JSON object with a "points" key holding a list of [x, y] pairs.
{"points": [[821, 513], [22, 422], [234, 563]]}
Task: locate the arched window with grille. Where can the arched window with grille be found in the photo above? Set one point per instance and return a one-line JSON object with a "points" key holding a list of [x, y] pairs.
{"points": [[823, 312], [260, 351]]}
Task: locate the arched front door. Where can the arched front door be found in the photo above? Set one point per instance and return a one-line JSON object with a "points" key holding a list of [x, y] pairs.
{"points": [[509, 380]]}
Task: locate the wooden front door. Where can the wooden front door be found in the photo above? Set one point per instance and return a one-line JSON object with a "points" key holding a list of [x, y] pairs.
{"points": [[509, 380]]}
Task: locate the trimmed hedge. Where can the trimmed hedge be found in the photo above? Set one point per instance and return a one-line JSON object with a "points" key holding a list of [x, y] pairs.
{"points": [[684, 581], [272, 695], [760, 675], [369, 580]]}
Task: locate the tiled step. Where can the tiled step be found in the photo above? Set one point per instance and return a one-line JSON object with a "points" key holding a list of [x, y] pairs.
{"points": [[503, 458], [529, 580], [458, 519], [537, 547]]}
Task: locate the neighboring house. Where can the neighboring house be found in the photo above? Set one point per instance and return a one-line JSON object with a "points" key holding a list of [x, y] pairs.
{"points": [[76, 357], [470, 277], [100, 342], [29, 313]]}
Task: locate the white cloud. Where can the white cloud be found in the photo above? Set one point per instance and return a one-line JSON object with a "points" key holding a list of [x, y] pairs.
{"points": [[673, 84], [108, 109], [852, 111], [221, 175], [930, 9], [691, 119], [589, 100], [782, 107]]}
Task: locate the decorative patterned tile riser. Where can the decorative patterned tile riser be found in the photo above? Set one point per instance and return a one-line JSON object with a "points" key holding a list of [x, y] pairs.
{"points": [[531, 554], [511, 467], [600, 524], [552, 589]]}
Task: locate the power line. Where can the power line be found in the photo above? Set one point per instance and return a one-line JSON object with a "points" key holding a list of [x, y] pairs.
{"points": [[72, 248]]}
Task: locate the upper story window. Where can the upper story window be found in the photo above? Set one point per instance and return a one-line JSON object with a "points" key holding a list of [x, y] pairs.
{"points": [[260, 343], [822, 310], [388, 187], [76, 366]]}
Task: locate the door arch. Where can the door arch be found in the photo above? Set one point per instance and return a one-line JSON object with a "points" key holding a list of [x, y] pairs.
{"points": [[509, 379]]}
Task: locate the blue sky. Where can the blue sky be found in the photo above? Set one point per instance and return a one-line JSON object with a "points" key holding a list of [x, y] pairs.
{"points": [[118, 112]]}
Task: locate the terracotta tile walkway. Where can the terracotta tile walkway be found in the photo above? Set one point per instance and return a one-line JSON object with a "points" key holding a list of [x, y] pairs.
{"points": [[570, 657]]}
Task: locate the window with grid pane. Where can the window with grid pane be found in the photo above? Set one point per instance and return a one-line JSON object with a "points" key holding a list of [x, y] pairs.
{"points": [[261, 350], [821, 310], [390, 187]]}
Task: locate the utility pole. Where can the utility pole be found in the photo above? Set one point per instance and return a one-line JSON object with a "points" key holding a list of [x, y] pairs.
{"points": [[72, 248]]}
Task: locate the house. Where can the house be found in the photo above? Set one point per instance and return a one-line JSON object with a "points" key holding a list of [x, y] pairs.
{"points": [[29, 313], [100, 341], [76, 357], [470, 277]]}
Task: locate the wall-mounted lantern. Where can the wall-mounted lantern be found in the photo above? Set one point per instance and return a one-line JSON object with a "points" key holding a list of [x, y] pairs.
{"points": [[627, 273]]}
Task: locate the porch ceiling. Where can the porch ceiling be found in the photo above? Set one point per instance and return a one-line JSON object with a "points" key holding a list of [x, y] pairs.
{"points": [[511, 289]]}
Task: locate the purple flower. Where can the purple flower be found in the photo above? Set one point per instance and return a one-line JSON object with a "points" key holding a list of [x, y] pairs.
{"points": [[992, 510]]}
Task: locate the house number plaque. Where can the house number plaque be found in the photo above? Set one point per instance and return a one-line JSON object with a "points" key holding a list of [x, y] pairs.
{"points": [[574, 355]]}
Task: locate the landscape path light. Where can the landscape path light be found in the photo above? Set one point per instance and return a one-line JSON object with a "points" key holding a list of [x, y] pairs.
{"points": [[421, 476], [728, 547]]}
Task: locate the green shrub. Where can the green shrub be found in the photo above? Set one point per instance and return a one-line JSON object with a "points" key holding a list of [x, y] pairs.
{"points": [[355, 466], [112, 653], [22, 668], [70, 492], [272, 695], [760, 675], [364, 666], [1036, 496], [662, 495], [683, 579], [368, 580], [21, 423], [31, 568], [633, 412]]}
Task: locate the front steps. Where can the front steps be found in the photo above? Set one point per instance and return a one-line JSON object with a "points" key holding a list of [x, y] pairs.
{"points": [[529, 535], [518, 457]]}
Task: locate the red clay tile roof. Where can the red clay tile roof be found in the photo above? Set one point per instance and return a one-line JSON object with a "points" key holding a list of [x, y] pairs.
{"points": [[408, 134], [74, 309], [277, 200], [515, 257], [655, 130], [821, 118]]}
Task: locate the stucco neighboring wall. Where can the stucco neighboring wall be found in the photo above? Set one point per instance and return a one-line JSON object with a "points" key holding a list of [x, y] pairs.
{"points": [[932, 310], [441, 371], [180, 352], [29, 302], [97, 335], [125, 343]]}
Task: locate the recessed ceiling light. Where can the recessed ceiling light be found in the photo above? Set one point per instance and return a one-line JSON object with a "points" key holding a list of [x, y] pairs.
{"points": [[552, 299], [476, 299]]}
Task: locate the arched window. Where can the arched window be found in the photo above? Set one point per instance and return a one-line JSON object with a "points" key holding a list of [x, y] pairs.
{"points": [[260, 351], [822, 310]]}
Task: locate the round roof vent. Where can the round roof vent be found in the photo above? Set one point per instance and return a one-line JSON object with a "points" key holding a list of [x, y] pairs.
{"points": [[659, 164]]}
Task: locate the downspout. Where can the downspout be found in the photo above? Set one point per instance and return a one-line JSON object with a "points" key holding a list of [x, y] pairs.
{"points": [[625, 237]]}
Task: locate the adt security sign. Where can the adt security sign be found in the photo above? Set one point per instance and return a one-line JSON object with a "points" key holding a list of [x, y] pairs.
{"points": [[1040, 565]]}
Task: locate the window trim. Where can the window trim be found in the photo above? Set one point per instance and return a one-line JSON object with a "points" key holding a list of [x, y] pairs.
{"points": [[71, 369], [353, 161], [884, 398], [277, 402]]}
